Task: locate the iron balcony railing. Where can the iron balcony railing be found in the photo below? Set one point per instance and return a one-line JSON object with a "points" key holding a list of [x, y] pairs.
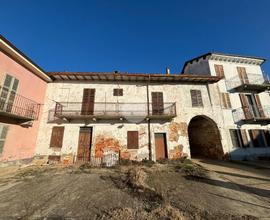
{"points": [[17, 106], [251, 113], [251, 79], [73, 110]]}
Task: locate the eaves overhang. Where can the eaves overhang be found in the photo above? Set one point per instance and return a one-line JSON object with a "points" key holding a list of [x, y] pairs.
{"points": [[234, 58], [9, 49], [132, 77]]}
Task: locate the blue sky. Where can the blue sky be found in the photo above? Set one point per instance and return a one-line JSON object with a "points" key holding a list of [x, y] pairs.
{"points": [[134, 35]]}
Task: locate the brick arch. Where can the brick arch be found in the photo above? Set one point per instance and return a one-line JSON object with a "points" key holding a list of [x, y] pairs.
{"points": [[204, 138]]}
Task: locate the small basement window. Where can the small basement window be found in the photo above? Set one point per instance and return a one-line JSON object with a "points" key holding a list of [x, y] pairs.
{"points": [[117, 92]]}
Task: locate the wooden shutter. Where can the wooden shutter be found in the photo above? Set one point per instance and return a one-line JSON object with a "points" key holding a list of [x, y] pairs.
{"points": [[219, 70], [259, 105], [88, 102], [244, 137], [226, 102], [245, 106], [234, 138], [57, 137], [193, 94], [242, 75], [132, 140], [3, 135], [254, 135], [199, 98], [196, 98], [157, 103]]}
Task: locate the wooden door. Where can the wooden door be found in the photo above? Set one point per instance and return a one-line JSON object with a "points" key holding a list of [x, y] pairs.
{"points": [[157, 103], [161, 146], [84, 145], [242, 75], [88, 102]]}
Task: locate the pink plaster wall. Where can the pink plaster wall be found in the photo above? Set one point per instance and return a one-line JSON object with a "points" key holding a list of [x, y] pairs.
{"points": [[21, 142]]}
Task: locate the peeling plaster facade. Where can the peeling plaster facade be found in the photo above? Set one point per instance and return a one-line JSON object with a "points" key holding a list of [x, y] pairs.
{"points": [[111, 136], [256, 76], [114, 135]]}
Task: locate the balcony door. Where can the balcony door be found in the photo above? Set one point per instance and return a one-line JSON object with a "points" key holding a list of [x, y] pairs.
{"points": [[8, 93], [88, 102], [251, 106], [157, 103], [242, 75]]}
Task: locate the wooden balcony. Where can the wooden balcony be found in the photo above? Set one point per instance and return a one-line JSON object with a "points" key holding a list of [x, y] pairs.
{"points": [[252, 83], [130, 112], [17, 109], [251, 115]]}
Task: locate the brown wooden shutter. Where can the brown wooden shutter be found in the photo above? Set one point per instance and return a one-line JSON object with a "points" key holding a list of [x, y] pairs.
{"points": [[245, 106], [224, 99], [228, 100], [219, 70], [254, 135], [242, 75], [259, 105], [132, 140], [157, 103], [88, 102], [244, 137], [57, 137]]}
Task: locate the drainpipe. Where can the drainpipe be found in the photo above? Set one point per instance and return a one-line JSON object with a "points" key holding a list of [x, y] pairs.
{"points": [[148, 121]]}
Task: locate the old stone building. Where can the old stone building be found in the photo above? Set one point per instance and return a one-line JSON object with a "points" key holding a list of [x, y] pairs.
{"points": [[217, 108], [89, 114], [245, 101]]}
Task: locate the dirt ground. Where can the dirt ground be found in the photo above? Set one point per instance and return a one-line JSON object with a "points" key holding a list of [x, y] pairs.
{"points": [[202, 189]]}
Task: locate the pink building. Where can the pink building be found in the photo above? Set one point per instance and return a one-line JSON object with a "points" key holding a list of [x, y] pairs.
{"points": [[22, 91]]}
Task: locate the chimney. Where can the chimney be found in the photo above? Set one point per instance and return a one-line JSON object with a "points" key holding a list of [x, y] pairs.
{"points": [[168, 72]]}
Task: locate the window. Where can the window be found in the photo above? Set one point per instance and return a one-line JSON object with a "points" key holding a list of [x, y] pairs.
{"points": [[196, 98], [3, 135], [8, 92], [117, 92], [260, 138], [219, 70], [226, 102], [239, 138], [57, 137], [132, 140]]}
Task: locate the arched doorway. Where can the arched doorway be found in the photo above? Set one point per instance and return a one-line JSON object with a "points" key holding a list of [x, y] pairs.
{"points": [[204, 138]]}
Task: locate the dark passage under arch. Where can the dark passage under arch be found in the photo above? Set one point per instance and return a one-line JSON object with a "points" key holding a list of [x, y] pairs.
{"points": [[204, 138]]}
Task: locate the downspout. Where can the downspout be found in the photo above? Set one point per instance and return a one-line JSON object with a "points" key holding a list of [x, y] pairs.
{"points": [[148, 120]]}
